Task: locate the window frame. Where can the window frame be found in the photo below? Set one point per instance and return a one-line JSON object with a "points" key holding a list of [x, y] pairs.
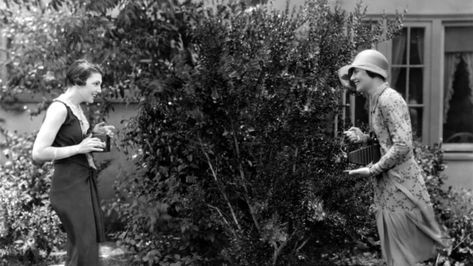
{"points": [[386, 48], [408, 66], [450, 147]]}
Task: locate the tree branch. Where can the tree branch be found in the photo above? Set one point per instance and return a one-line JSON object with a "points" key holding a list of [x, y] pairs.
{"points": [[214, 175], [225, 220], [243, 182], [278, 250], [295, 161]]}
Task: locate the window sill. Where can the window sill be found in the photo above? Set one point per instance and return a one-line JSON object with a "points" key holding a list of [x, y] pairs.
{"points": [[457, 147], [458, 151], [463, 156]]}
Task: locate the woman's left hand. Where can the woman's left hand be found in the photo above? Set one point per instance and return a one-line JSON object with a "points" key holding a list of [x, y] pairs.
{"points": [[102, 128], [361, 172]]}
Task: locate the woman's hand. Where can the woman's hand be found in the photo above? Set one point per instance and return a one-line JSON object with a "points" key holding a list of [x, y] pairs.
{"points": [[361, 172], [90, 144], [354, 135], [102, 128]]}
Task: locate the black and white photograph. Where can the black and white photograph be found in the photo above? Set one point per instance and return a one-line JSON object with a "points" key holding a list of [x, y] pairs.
{"points": [[236, 133]]}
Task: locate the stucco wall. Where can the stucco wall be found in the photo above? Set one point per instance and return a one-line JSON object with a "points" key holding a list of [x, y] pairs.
{"points": [[459, 173], [413, 7]]}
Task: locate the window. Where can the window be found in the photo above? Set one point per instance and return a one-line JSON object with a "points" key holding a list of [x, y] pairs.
{"points": [[458, 85], [355, 111], [407, 73]]}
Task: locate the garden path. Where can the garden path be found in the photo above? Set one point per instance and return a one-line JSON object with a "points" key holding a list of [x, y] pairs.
{"points": [[110, 255]]}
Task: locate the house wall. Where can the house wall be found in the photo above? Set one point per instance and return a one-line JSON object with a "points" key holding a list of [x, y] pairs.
{"points": [[417, 7], [459, 170]]}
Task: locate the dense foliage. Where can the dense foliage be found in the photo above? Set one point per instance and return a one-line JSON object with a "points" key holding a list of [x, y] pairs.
{"points": [[238, 163], [29, 228]]}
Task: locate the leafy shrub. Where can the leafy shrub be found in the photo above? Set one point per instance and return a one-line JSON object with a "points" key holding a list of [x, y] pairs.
{"points": [[453, 206], [237, 163], [31, 229], [457, 214]]}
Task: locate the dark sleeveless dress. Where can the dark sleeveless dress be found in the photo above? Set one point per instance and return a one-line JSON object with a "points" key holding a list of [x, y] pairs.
{"points": [[75, 199]]}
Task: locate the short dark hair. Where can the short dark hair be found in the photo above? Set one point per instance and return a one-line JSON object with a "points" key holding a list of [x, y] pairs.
{"points": [[374, 75], [79, 71], [369, 73]]}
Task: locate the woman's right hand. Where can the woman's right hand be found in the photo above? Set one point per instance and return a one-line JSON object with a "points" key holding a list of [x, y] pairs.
{"points": [[354, 135], [90, 144]]}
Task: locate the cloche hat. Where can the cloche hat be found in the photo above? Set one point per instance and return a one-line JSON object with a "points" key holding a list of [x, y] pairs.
{"points": [[370, 60]]}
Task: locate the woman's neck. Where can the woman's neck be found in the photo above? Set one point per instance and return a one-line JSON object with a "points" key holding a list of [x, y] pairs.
{"points": [[71, 95], [375, 87]]}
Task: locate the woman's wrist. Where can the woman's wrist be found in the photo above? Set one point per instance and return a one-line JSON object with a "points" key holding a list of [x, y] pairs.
{"points": [[76, 149], [54, 154], [363, 138], [374, 170]]}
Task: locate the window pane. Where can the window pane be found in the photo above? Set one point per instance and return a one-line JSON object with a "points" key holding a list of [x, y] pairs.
{"points": [[416, 121], [361, 110], [417, 46], [398, 80], [415, 85], [458, 99], [347, 111], [458, 112], [399, 48], [407, 72]]}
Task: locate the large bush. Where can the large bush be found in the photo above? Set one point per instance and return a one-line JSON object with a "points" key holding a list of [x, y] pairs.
{"points": [[237, 159]]}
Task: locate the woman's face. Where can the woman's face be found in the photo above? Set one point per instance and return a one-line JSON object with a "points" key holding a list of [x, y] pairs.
{"points": [[362, 81], [91, 88]]}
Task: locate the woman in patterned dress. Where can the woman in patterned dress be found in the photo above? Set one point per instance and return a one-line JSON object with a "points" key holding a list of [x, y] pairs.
{"points": [[65, 138], [405, 219]]}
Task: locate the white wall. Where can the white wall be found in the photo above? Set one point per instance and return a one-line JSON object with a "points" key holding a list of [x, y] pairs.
{"points": [[413, 7], [459, 173]]}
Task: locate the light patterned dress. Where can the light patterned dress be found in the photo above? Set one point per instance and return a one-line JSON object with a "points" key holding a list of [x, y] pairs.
{"points": [[405, 219]]}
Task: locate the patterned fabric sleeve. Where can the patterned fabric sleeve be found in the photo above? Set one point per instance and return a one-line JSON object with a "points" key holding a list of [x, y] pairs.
{"points": [[395, 114]]}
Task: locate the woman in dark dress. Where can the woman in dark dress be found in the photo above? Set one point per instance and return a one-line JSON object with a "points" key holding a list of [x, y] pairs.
{"points": [[65, 137]]}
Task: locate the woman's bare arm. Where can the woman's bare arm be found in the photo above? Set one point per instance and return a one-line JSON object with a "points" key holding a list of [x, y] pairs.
{"points": [[42, 147]]}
